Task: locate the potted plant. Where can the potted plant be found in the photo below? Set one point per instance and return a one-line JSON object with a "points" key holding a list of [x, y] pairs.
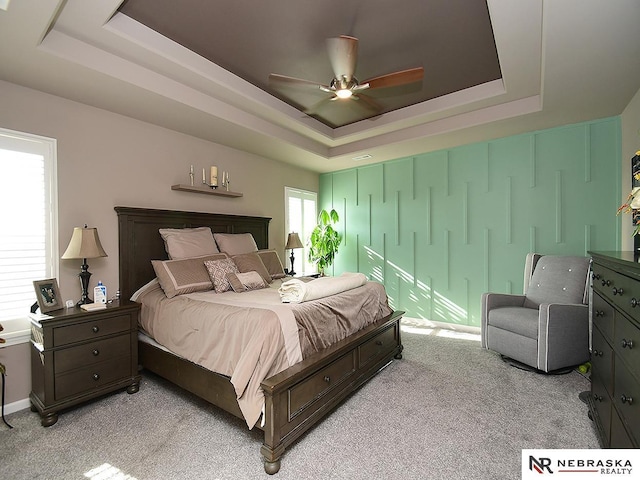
{"points": [[324, 240]]}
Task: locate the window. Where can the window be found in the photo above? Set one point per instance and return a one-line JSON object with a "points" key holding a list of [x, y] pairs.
{"points": [[28, 239], [300, 212]]}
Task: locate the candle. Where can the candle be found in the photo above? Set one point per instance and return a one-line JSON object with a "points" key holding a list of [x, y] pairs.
{"points": [[214, 176], [204, 179], [191, 170]]}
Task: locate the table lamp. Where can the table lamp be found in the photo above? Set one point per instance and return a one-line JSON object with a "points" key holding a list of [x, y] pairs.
{"points": [[293, 241], [84, 244]]}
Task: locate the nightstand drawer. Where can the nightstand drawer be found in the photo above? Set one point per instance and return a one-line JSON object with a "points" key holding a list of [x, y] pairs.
{"points": [[84, 380], [90, 353], [91, 329]]}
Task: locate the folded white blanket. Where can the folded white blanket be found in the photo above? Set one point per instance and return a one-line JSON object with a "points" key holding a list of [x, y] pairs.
{"points": [[297, 291]]}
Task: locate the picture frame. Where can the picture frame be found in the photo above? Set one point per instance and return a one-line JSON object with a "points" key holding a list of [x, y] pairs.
{"points": [[48, 295]]}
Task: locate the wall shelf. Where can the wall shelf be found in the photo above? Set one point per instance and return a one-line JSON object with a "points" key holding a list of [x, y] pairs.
{"points": [[206, 190]]}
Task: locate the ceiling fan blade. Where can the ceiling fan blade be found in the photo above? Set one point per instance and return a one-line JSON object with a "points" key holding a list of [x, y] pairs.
{"points": [[277, 80], [343, 55], [395, 79], [316, 106], [367, 102]]}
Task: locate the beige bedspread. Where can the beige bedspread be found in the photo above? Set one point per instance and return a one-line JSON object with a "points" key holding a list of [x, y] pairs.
{"points": [[252, 336]]}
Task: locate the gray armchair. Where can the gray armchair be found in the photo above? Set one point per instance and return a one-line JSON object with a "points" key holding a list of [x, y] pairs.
{"points": [[547, 327]]}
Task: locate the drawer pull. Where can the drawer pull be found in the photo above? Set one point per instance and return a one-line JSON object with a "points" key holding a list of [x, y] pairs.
{"points": [[379, 343], [606, 283], [625, 399], [627, 343], [597, 398], [599, 313], [96, 377], [595, 276], [617, 291], [327, 379], [96, 352], [95, 329], [634, 302], [597, 353]]}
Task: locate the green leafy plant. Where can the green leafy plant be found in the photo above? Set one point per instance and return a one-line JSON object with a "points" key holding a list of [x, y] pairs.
{"points": [[324, 240]]}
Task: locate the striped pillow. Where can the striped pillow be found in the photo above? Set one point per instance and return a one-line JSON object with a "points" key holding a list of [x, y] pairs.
{"points": [[186, 275]]}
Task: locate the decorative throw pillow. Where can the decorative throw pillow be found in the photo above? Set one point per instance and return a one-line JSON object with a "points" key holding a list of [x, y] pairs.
{"points": [[188, 242], [243, 282], [251, 262], [218, 270], [235, 243], [272, 263], [186, 275]]}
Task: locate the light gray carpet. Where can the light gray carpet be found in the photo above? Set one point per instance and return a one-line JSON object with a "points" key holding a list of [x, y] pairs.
{"points": [[447, 410]]}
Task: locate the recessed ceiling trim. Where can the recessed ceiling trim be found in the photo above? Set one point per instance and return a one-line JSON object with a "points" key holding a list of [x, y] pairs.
{"points": [[445, 125], [74, 50], [242, 92]]}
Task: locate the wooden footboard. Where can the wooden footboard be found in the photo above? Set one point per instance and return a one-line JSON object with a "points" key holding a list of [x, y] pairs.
{"points": [[298, 397]]}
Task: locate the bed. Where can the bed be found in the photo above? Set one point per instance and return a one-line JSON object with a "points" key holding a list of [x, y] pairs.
{"points": [[296, 398]]}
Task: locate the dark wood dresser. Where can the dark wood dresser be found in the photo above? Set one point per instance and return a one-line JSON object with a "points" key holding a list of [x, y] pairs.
{"points": [[77, 356], [614, 404]]}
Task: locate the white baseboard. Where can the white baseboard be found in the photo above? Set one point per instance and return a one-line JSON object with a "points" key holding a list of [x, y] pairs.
{"points": [[17, 406]]}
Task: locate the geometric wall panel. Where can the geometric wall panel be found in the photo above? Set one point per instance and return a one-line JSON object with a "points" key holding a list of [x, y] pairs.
{"points": [[441, 228]]}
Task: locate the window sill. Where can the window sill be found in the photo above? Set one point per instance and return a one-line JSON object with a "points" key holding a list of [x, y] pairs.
{"points": [[16, 331]]}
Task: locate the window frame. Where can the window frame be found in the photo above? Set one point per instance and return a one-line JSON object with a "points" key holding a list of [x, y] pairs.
{"points": [[302, 194], [47, 148]]}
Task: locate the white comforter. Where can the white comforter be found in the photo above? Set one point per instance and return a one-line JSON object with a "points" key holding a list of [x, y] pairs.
{"points": [[297, 291]]}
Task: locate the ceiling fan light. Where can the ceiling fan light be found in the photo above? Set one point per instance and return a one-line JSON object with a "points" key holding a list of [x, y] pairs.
{"points": [[343, 93]]}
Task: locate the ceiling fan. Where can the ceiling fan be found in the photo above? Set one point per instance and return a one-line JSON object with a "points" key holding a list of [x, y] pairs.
{"points": [[343, 53]]}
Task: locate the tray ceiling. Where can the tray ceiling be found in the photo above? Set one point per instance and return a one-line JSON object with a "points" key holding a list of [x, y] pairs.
{"points": [[492, 69]]}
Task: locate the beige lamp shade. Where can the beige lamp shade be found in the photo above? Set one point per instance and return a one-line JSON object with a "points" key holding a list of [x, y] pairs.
{"points": [[293, 241], [85, 243]]}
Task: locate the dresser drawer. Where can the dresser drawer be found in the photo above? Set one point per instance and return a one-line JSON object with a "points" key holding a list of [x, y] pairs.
{"points": [[91, 329], [90, 353], [382, 343], [319, 383], [622, 291], [603, 407], [619, 436], [627, 343], [602, 315], [86, 379], [627, 397], [602, 361]]}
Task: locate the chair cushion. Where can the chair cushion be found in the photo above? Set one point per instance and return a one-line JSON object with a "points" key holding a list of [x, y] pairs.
{"points": [[519, 320], [558, 279]]}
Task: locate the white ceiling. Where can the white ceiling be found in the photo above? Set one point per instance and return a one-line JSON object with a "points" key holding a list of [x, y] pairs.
{"points": [[563, 61]]}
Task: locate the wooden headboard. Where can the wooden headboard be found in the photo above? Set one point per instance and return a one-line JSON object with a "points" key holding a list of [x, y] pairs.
{"points": [[139, 241]]}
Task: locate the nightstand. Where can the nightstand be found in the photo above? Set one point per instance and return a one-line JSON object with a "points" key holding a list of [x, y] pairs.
{"points": [[77, 356]]}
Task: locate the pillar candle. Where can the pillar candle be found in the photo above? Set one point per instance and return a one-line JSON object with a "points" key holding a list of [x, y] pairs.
{"points": [[214, 176], [204, 178]]}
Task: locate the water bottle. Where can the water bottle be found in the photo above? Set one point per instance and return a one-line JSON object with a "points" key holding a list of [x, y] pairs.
{"points": [[100, 293]]}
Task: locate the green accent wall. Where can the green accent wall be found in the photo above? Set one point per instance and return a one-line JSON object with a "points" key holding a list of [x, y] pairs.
{"points": [[441, 228]]}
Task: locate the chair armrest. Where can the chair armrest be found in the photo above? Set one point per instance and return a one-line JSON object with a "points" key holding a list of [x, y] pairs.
{"points": [[496, 300], [563, 335]]}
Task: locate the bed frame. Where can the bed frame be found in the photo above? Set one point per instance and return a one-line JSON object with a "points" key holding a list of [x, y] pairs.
{"points": [[295, 399]]}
